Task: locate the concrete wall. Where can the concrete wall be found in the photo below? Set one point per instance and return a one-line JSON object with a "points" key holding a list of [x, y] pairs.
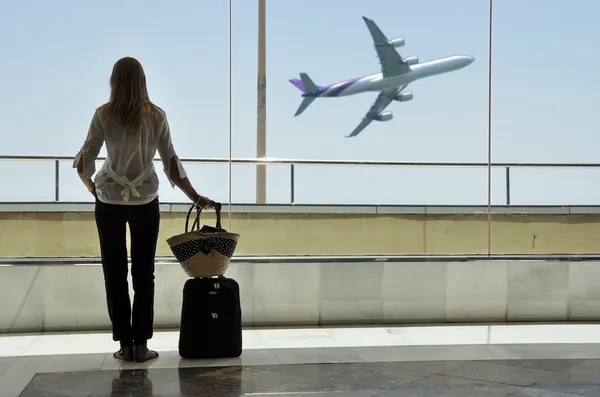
{"points": [[71, 297], [65, 230]]}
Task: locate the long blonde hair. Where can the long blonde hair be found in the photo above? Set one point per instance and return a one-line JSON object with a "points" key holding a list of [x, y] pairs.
{"points": [[128, 94]]}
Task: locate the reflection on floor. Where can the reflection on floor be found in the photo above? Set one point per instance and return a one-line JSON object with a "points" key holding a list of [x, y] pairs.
{"points": [[411, 379], [346, 362]]}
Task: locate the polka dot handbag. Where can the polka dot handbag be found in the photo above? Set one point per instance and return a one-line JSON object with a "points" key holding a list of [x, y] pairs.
{"points": [[204, 252]]}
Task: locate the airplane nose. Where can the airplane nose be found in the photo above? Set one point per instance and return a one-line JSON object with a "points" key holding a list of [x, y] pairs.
{"points": [[468, 60]]}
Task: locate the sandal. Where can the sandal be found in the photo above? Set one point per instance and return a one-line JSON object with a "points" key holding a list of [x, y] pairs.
{"points": [[141, 354], [125, 353]]}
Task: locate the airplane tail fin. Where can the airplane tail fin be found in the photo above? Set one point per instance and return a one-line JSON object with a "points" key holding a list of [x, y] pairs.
{"points": [[306, 85], [308, 88], [304, 104], [298, 84]]}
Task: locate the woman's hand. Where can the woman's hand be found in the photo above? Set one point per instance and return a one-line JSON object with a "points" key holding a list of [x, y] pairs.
{"points": [[205, 202], [89, 184]]}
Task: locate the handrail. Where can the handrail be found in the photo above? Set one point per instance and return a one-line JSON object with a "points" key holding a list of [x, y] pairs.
{"points": [[305, 162], [299, 162], [55, 261]]}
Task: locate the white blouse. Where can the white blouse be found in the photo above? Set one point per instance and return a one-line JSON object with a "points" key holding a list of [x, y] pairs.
{"points": [[128, 176]]}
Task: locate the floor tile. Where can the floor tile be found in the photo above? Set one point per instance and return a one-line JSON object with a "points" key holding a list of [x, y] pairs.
{"points": [[16, 345], [70, 343], [12, 384], [582, 379], [423, 353], [451, 386], [361, 393], [592, 366], [360, 336], [499, 373], [211, 381], [248, 357], [327, 337], [253, 340], [439, 335], [18, 375], [545, 364], [383, 379], [569, 351], [5, 363], [297, 338], [312, 355], [348, 377], [67, 384], [532, 392], [368, 361], [545, 333]]}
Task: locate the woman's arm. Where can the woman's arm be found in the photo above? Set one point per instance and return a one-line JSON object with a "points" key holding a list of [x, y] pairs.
{"points": [[175, 171], [85, 161], [89, 184]]}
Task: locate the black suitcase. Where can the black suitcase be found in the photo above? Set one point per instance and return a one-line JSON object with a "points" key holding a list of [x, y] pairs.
{"points": [[211, 319]]}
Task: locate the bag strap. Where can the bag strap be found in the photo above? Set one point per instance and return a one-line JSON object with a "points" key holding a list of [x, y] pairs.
{"points": [[187, 218], [218, 215], [196, 224]]}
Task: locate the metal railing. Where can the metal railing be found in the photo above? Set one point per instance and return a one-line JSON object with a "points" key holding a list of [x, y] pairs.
{"points": [[164, 260], [331, 163]]}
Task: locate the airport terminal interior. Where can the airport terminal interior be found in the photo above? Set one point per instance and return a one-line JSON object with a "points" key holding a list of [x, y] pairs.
{"points": [[429, 263], [441, 324]]}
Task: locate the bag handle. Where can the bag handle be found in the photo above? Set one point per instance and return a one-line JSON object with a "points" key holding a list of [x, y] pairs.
{"points": [[196, 224]]}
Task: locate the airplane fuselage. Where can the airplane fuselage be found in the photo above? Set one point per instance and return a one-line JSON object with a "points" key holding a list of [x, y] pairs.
{"points": [[376, 82]]}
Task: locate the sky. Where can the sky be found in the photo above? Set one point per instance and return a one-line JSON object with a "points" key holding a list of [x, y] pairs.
{"points": [[57, 59]]}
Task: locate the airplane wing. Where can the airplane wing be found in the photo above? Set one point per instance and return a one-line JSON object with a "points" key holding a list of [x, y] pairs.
{"points": [[391, 62], [383, 100], [363, 124]]}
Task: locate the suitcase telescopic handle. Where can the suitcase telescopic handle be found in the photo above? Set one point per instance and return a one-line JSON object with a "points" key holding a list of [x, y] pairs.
{"points": [[196, 224]]}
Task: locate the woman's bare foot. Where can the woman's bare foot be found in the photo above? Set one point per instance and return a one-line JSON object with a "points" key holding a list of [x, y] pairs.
{"points": [[126, 353], [141, 353]]}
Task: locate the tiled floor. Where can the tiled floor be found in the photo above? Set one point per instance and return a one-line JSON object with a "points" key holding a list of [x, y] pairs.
{"points": [[518, 378], [516, 360]]}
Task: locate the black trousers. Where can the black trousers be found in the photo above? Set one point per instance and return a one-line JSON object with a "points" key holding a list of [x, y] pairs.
{"points": [[129, 326]]}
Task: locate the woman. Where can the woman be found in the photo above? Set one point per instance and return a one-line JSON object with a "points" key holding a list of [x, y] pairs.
{"points": [[126, 192]]}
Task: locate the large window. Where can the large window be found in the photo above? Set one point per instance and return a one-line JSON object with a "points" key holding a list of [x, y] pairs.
{"points": [[57, 59], [544, 75], [422, 187], [445, 122]]}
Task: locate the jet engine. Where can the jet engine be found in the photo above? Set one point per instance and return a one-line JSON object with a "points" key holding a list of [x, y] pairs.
{"points": [[385, 116], [404, 97], [399, 42], [411, 60]]}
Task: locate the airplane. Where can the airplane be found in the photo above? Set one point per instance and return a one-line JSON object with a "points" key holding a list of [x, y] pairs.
{"points": [[396, 74]]}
